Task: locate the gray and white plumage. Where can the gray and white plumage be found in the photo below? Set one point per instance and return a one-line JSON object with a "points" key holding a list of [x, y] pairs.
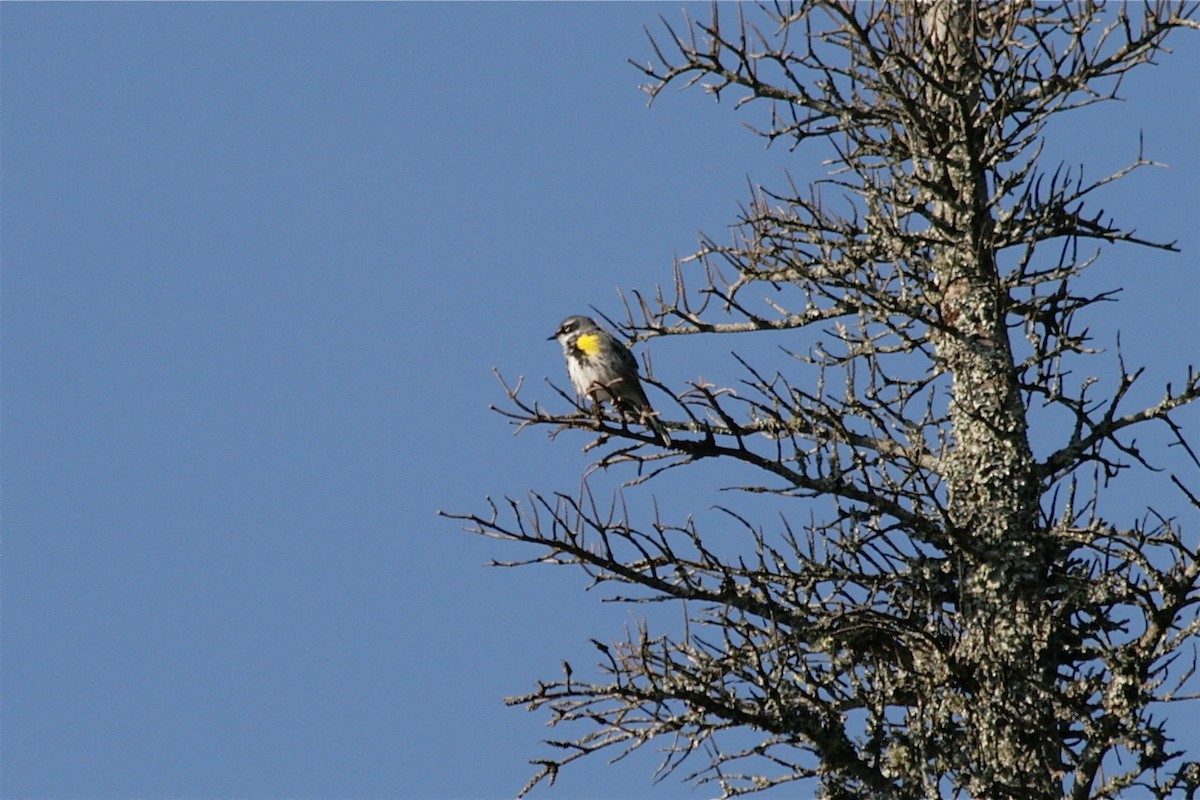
{"points": [[602, 368]]}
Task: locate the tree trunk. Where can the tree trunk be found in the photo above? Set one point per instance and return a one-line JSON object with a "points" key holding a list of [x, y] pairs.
{"points": [[990, 473]]}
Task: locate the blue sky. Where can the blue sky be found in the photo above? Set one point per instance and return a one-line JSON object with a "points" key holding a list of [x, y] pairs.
{"points": [[259, 261]]}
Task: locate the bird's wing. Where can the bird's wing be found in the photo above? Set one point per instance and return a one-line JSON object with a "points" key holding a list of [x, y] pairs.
{"points": [[627, 359]]}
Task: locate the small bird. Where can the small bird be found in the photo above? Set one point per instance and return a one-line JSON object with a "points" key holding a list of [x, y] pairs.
{"points": [[603, 369]]}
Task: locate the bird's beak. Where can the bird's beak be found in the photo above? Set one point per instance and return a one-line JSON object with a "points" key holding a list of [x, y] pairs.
{"points": [[552, 337]]}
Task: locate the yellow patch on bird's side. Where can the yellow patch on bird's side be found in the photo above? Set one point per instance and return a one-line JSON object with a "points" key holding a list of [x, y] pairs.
{"points": [[589, 343]]}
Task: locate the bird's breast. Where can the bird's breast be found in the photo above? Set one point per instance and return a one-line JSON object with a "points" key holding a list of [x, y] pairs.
{"points": [[588, 344]]}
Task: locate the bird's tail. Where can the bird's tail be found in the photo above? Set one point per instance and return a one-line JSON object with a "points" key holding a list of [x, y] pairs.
{"points": [[650, 417]]}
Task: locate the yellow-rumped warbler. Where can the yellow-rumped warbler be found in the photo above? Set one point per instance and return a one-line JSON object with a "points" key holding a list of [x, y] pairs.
{"points": [[603, 369]]}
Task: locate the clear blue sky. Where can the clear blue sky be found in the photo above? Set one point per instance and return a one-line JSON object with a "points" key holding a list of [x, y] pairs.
{"points": [[258, 262]]}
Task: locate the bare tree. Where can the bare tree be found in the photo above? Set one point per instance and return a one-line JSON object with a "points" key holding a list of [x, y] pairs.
{"points": [[961, 621]]}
